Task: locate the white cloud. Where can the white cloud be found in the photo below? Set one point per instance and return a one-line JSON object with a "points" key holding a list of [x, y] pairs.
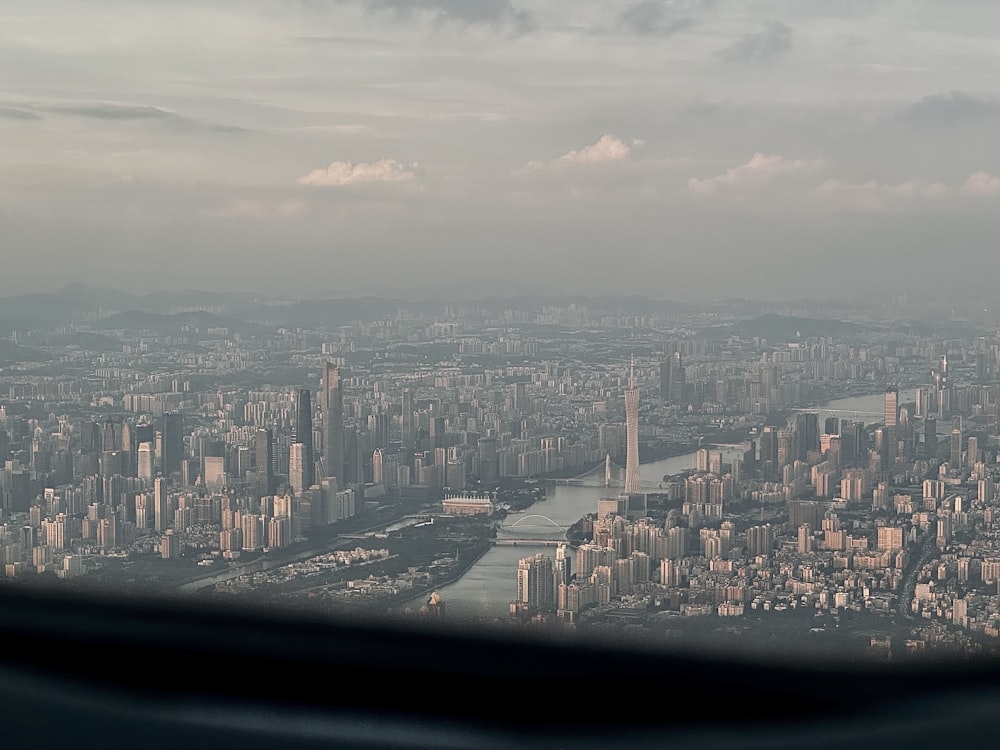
{"points": [[608, 149], [981, 184], [759, 170], [343, 173]]}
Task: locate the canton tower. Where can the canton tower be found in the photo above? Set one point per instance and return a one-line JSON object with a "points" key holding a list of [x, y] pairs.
{"points": [[632, 479]]}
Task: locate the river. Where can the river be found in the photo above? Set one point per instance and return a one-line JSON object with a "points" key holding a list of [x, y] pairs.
{"points": [[488, 586]]}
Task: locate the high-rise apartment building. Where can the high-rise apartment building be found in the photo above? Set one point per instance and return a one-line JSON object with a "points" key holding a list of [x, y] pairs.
{"points": [[536, 582]]}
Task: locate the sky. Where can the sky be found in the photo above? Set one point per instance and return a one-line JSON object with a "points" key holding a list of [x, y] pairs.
{"points": [[682, 149]]}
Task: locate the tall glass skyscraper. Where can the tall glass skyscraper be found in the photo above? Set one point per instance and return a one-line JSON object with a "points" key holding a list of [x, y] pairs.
{"points": [[302, 432], [332, 402], [172, 441], [633, 481]]}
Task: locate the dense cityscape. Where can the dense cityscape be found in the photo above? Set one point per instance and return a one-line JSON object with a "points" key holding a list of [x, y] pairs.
{"points": [[371, 463]]}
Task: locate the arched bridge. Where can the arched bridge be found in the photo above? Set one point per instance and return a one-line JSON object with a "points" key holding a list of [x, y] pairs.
{"points": [[559, 532], [550, 523]]}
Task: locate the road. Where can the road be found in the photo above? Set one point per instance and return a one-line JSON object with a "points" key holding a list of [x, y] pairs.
{"points": [[922, 552]]}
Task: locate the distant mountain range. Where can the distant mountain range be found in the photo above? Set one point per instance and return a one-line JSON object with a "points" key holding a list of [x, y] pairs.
{"points": [[79, 307]]}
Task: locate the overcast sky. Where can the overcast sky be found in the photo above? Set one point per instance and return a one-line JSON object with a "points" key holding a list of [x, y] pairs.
{"points": [[675, 148]]}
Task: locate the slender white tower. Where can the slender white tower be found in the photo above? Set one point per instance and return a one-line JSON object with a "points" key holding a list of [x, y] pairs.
{"points": [[632, 478]]}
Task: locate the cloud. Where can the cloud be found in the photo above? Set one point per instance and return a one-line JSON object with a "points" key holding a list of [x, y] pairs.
{"points": [[106, 111], [15, 113], [950, 107], [492, 13], [981, 184], [773, 40], [608, 149], [653, 18], [877, 196], [137, 113], [345, 173], [759, 170]]}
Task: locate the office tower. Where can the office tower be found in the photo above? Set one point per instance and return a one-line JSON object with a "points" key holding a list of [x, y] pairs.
{"points": [[891, 406], [536, 582], [930, 437], [142, 511], [333, 422], [955, 457], [786, 447], [406, 418], [173, 441], [768, 452], [145, 462], [678, 377], [488, 466], [264, 461], [972, 451], [109, 439], [302, 433], [90, 438], [127, 436], [666, 371], [378, 425], [296, 468], [378, 466], [806, 433], [633, 481], [437, 432], [831, 426], [160, 511]]}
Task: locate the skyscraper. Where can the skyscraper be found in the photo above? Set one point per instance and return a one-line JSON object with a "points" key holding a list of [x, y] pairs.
{"points": [[173, 441], [264, 455], [332, 403], [406, 418], [633, 481], [302, 432], [145, 462], [678, 379], [666, 372], [297, 471], [160, 509], [891, 406]]}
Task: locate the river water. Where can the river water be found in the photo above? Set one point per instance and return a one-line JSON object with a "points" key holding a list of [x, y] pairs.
{"points": [[488, 586]]}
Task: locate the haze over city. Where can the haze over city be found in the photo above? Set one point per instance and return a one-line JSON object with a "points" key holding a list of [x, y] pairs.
{"points": [[687, 150]]}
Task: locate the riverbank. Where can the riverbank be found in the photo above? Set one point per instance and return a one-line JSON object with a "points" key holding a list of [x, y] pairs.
{"points": [[464, 567]]}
